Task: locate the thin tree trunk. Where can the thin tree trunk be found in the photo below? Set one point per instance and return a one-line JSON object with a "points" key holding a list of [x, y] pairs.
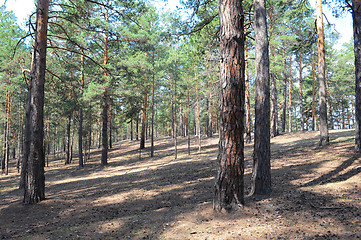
{"points": [[290, 97], [229, 185], [261, 174], [144, 122], [131, 128], [153, 99], [175, 109], [104, 159], [80, 123], [198, 122], [248, 102], [34, 158], [284, 102], [301, 94], [313, 96], [67, 144], [110, 129], [19, 135], [324, 138]]}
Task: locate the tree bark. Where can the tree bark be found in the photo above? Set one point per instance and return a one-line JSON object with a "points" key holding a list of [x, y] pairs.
{"points": [[261, 175], [67, 144], [80, 123], [153, 99], [290, 97], [356, 16], [105, 104], [324, 138], [284, 102], [248, 101], [198, 122], [144, 123], [229, 185], [313, 96], [104, 159], [301, 93], [34, 158]]}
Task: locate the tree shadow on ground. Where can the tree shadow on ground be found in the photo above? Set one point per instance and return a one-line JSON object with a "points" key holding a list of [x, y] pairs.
{"points": [[146, 198]]}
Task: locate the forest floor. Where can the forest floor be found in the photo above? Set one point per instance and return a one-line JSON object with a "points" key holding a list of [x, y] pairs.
{"points": [[316, 194]]}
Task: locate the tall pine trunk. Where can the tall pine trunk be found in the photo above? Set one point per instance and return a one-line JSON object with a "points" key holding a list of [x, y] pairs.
{"points": [[324, 138], [284, 102], [356, 15], [290, 97], [313, 97], [261, 174], [301, 93], [105, 104], [144, 122], [67, 144], [104, 159], [229, 185], [80, 123], [153, 99], [248, 101], [34, 158]]}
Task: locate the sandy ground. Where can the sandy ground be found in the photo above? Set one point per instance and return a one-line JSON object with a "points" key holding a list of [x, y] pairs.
{"points": [[316, 195]]}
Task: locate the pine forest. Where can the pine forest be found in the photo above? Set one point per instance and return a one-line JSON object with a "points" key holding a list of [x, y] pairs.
{"points": [[133, 119]]}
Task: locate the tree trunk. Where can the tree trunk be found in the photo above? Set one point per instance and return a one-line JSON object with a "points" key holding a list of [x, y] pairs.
{"points": [[356, 15], [137, 128], [131, 129], [198, 122], [67, 144], [290, 97], [248, 102], [284, 102], [34, 158], [153, 99], [144, 122], [105, 104], [229, 185], [313, 96], [261, 174], [324, 138], [110, 129], [80, 123], [301, 93], [104, 160]]}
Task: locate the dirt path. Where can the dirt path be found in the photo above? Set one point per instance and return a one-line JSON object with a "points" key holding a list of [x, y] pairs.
{"points": [[316, 195]]}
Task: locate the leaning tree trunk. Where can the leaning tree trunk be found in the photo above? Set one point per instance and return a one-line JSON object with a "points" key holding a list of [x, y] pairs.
{"points": [[356, 15], [324, 139], [229, 185], [261, 175], [34, 158]]}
